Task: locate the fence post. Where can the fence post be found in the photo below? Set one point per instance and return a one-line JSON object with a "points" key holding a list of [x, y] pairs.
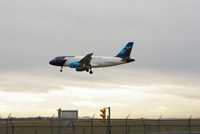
{"points": [[92, 124], [51, 123], [59, 121], [127, 124], [190, 124], [159, 124], [109, 121], [144, 126], [7, 126], [7, 123], [12, 126]]}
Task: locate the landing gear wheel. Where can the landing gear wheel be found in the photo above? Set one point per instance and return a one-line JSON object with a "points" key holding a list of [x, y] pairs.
{"points": [[87, 70], [91, 72]]}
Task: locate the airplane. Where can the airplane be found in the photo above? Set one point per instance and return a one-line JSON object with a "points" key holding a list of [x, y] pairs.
{"points": [[86, 63]]}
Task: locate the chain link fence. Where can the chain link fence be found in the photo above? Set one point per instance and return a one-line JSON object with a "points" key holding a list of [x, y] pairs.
{"points": [[95, 126]]}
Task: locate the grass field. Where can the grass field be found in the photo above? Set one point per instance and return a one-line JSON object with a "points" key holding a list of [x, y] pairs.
{"points": [[134, 126]]}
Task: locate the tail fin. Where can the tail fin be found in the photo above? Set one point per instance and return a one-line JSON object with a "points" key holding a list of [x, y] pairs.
{"points": [[126, 51]]}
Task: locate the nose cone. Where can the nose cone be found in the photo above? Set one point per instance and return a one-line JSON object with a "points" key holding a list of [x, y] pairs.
{"points": [[58, 61], [51, 62]]}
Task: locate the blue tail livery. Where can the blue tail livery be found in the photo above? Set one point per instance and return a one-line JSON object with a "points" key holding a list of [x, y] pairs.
{"points": [[126, 51]]}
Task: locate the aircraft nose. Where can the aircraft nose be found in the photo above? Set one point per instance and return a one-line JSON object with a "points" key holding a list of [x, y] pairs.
{"points": [[51, 62], [57, 61]]}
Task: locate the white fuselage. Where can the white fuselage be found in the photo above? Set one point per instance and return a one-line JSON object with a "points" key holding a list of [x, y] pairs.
{"points": [[97, 61]]}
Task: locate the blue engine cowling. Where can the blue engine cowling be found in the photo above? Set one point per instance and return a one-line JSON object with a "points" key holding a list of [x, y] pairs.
{"points": [[73, 64], [80, 69]]}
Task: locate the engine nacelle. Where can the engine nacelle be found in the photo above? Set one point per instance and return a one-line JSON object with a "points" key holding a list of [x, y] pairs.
{"points": [[80, 69], [73, 64]]}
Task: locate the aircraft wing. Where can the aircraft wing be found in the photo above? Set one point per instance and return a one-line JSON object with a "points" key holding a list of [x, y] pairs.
{"points": [[85, 61]]}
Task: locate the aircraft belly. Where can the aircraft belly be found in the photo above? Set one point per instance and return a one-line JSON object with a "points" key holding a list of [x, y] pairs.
{"points": [[105, 64]]}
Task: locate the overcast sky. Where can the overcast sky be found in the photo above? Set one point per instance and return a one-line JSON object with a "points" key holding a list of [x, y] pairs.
{"points": [[164, 79]]}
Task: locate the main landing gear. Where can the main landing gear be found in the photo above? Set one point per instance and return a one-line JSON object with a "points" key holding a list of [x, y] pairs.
{"points": [[89, 70]]}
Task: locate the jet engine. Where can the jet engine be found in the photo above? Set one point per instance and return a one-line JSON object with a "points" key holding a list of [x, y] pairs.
{"points": [[73, 64], [80, 69]]}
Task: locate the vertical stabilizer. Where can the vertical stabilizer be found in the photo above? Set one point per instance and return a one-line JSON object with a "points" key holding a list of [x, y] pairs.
{"points": [[126, 51]]}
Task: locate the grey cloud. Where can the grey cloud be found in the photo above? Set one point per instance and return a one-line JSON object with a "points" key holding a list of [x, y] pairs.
{"points": [[26, 83], [149, 83], [166, 33], [177, 90]]}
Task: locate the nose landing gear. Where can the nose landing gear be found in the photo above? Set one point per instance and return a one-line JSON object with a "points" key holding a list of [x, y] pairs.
{"points": [[61, 68]]}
